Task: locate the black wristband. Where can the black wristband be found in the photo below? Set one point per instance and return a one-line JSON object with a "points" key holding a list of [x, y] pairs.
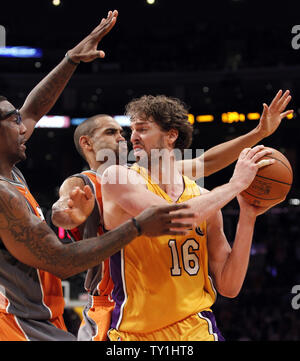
{"points": [[70, 60], [137, 226]]}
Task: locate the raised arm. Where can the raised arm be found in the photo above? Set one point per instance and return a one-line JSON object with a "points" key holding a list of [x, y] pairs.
{"points": [[222, 155], [76, 202], [45, 94], [32, 242]]}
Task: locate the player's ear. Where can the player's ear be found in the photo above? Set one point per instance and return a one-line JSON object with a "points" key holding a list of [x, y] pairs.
{"points": [[172, 136], [85, 142]]}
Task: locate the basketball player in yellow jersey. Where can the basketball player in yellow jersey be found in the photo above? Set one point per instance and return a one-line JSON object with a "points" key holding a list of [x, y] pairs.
{"points": [[162, 287], [102, 132]]}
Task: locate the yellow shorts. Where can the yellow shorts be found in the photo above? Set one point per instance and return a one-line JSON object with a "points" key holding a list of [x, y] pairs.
{"points": [[198, 327]]}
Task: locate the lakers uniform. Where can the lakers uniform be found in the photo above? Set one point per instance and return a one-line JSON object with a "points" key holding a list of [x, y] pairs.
{"points": [[31, 300], [162, 288], [98, 283]]}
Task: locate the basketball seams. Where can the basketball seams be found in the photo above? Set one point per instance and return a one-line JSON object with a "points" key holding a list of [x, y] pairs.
{"points": [[274, 180], [266, 190], [264, 199], [279, 160]]}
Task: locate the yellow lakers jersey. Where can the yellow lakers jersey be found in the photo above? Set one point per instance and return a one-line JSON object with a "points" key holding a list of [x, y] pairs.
{"points": [[161, 280]]}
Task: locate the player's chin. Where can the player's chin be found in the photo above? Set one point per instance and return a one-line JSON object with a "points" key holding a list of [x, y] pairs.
{"points": [[22, 156], [140, 155]]}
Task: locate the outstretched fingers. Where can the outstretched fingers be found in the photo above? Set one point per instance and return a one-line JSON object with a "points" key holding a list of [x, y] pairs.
{"points": [[284, 114], [276, 99], [105, 25], [283, 101]]}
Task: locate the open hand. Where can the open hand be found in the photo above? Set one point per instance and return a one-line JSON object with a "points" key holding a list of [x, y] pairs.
{"points": [[274, 113], [248, 163], [80, 204], [86, 50]]}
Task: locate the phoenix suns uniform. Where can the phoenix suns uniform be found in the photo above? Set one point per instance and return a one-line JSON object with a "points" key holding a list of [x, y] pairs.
{"points": [[31, 300], [98, 283], [162, 288]]}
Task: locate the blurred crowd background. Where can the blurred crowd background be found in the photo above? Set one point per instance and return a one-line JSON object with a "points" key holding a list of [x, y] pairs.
{"points": [[218, 57]]}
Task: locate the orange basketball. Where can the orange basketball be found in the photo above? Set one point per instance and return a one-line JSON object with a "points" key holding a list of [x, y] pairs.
{"points": [[271, 183]]}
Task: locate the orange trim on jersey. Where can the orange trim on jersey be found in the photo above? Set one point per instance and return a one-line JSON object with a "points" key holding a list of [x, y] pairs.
{"points": [[96, 180], [25, 192], [53, 297], [9, 329], [50, 284], [106, 285]]}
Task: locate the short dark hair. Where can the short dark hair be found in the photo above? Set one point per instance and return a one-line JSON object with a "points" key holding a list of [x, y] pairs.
{"points": [[85, 128], [167, 112]]}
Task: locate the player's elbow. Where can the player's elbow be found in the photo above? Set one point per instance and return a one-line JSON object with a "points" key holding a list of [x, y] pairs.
{"points": [[60, 219], [229, 292], [56, 216]]}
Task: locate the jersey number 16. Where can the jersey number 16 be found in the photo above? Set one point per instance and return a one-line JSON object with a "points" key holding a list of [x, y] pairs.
{"points": [[190, 260]]}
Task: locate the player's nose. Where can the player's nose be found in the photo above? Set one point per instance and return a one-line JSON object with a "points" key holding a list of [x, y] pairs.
{"points": [[120, 138], [23, 128], [134, 136]]}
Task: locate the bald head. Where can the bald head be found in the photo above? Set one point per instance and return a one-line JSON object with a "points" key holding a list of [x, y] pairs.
{"points": [[87, 128]]}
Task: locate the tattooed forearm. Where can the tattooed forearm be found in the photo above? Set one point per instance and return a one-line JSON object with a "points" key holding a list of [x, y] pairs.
{"points": [[32, 241], [44, 95], [70, 259]]}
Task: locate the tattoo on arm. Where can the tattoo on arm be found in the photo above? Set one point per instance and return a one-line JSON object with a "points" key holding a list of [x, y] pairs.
{"points": [[33, 242], [15, 222], [41, 99]]}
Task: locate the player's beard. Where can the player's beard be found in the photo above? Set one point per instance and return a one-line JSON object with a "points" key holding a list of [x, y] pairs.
{"points": [[150, 159]]}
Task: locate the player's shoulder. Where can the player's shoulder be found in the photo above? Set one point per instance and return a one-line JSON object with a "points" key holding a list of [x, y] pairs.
{"points": [[7, 188], [9, 196], [119, 174]]}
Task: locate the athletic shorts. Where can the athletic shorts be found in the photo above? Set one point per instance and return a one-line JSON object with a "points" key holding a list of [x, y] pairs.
{"points": [[13, 328], [198, 327], [96, 319]]}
